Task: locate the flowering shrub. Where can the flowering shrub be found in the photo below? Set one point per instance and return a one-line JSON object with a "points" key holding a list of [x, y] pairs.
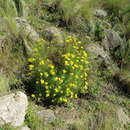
{"points": [[60, 75]]}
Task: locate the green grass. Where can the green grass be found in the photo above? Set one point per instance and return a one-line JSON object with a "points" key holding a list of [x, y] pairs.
{"points": [[32, 120], [4, 84]]}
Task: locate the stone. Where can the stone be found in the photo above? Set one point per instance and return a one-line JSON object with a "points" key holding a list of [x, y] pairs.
{"points": [[25, 30], [102, 56], [28, 30], [112, 40], [47, 115], [53, 34], [13, 109], [100, 13], [122, 117]]}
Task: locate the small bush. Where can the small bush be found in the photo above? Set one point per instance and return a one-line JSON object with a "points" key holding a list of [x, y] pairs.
{"points": [[61, 75]]}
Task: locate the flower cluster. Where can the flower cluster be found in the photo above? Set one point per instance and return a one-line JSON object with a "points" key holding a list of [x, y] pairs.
{"points": [[57, 81]]}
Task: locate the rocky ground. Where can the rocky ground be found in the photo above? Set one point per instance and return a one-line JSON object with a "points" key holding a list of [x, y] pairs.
{"points": [[105, 107]]}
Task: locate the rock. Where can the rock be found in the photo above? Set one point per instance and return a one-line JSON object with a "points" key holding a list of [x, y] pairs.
{"points": [[102, 56], [47, 115], [28, 31], [53, 34], [12, 109], [122, 117], [24, 29], [100, 13], [112, 40], [24, 128]]}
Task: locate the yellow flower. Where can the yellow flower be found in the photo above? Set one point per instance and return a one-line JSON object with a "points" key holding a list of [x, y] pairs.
{"points": [[68, 40], [47, 95], [61, 81], [35, 50], [64, 100], [66, 63], [56, 90], [42, 81], [46, 87], [46, 74], [81, 47], [56, 35], [56, 78], [31, 67], [42, 62], [41, 74], [28, 74], [33, 95], [82, 60], [86, 62], [86, 74], [37, 82], [68, 89], [79, 42], [59, 87], [41, 40], [61, 92], [76, 76], [31, 60], [81, 76], [47, 91], [64, 71], [86, 83], [75, 96], [71, 95], [51, 66], [61, 99], [84, 54], [72, 55], [72, 85], [85, 87], [75, 65], [52, 72], [46, 83], [81, 67], [71, 73], [40, 94], [77, 60], [75, 47], [71, 62]]}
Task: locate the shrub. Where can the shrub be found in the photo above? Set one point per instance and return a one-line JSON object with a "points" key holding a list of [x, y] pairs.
{"points": [[58, 74]]}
